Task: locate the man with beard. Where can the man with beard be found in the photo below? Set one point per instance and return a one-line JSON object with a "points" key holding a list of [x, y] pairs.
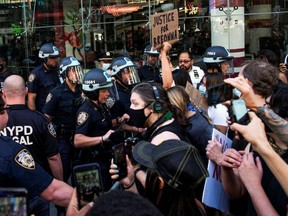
{"points": [[186, 63], [44, 77], [150, 71]]}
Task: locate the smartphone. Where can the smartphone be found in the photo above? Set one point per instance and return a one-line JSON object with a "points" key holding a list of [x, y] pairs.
{"points": [[119, 158], [88, 183], [219, 93], [13, 201]]}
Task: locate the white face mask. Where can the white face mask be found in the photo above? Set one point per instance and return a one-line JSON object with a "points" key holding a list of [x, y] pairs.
{"points": [[105, 66], [202, 89]]}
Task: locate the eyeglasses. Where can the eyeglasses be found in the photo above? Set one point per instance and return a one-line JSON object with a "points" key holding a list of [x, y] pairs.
{"points": [[2, 110], [184, 61]]}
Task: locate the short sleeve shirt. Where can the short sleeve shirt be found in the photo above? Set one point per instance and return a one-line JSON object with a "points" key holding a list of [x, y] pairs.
{"points": [[32, 129], [91, 121], [41, 81], [18, 168], [61, 104]]}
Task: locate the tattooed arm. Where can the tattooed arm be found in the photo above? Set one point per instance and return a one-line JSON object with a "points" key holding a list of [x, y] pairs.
{"points": [[278, 125]]}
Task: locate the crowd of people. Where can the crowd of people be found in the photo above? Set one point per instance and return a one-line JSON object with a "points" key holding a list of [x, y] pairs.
{"points": [[64, 117]]}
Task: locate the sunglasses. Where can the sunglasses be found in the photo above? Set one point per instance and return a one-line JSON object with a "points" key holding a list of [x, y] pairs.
{"points": [[184, 61], [2, 110]]}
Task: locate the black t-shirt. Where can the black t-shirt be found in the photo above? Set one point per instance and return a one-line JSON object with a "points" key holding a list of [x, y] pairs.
{"points": [[32, 129]]}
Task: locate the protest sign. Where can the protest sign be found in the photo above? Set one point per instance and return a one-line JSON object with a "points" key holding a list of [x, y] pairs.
{"points": [[164, 28], [213, 193]]}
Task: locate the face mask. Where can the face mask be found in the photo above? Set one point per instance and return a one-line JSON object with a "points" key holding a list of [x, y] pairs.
{"points": [[202, 89], [138, 117], [105, 66]]}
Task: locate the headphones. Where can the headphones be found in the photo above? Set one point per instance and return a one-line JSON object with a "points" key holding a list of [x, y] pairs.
{"points": [[157, 105]]}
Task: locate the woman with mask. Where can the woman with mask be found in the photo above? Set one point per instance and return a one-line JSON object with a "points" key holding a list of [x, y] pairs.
{"points": [[150, 108]]}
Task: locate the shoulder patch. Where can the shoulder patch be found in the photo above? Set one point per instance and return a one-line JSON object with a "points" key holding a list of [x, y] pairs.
{"points": [[51, 129], [31, 78], [25, 159], [82, 117], [48, 98]]}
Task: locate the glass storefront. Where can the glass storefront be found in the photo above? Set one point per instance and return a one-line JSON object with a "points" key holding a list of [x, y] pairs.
{"points": [[85, 28]]}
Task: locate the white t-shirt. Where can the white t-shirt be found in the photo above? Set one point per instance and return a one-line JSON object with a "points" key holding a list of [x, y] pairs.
{"points": [[196, 75], [218, 114]]}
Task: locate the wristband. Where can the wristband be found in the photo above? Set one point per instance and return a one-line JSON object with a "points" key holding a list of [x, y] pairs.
{"points": [[102, 139], [129, 186]]}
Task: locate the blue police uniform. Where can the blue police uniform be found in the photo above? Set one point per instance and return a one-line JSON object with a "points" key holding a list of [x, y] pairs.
{"points": [[148, 73], [32, 129], [62, 104], [92, 121], [41, 81], [18, 169]]}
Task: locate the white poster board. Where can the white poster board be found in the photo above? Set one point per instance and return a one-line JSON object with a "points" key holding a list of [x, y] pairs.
{"points": [[213, 193]]}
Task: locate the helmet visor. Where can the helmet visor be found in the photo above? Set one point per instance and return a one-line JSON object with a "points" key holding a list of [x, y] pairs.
{"points": [[129, 76], [75, 74]]}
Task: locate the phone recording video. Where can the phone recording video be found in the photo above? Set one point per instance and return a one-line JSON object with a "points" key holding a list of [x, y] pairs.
{"points": [[119, 157], [238, 112], [219, 94], [13, 201], [88, 183]]}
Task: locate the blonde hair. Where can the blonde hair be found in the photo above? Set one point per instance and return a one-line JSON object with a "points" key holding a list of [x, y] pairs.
{"points": [[179, 100]]}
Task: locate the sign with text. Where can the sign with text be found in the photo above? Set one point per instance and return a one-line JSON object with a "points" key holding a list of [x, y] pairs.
{"points": [[164, 28], [213, 193]]}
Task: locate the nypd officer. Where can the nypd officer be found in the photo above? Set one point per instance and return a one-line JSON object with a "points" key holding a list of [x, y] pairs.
{"points": [[94, 123], [61, 107], [44, 77], [19, 169], [126, 76], [31, 128], [150, 71]]}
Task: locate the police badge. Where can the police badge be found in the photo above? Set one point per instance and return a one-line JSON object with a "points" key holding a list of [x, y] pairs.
{"points": [[25, 159], [82, 117]]}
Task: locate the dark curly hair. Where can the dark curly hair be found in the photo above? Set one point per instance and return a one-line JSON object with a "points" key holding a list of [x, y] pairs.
{"points": [[263, 77]]}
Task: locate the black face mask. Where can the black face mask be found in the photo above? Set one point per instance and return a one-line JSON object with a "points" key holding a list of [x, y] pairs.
{"points": [[138, 117]]}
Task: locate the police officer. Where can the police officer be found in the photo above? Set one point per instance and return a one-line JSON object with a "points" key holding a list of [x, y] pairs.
{"points": [[94, 123], [31, 128], [126, 76], [20, 169], [61, 107], [150, 71], [217, 59], [44, 77]]}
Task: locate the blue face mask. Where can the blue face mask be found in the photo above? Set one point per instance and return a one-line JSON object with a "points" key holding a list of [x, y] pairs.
{"points": [[202, 89], [105, 66]]}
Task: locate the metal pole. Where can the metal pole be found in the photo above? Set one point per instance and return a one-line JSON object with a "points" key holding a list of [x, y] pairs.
{"points": [[149, 16], [83, 32]]}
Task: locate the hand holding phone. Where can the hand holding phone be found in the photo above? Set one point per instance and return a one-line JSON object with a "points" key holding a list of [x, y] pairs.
{"points": [[119, 158], [88, 183], [219, 93]]}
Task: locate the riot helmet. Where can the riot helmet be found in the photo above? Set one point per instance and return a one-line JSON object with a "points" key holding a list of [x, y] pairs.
{"points": [[124, 70], [48, 50], [149, 51], [216, 55], [94, 80], [71, 69]]}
